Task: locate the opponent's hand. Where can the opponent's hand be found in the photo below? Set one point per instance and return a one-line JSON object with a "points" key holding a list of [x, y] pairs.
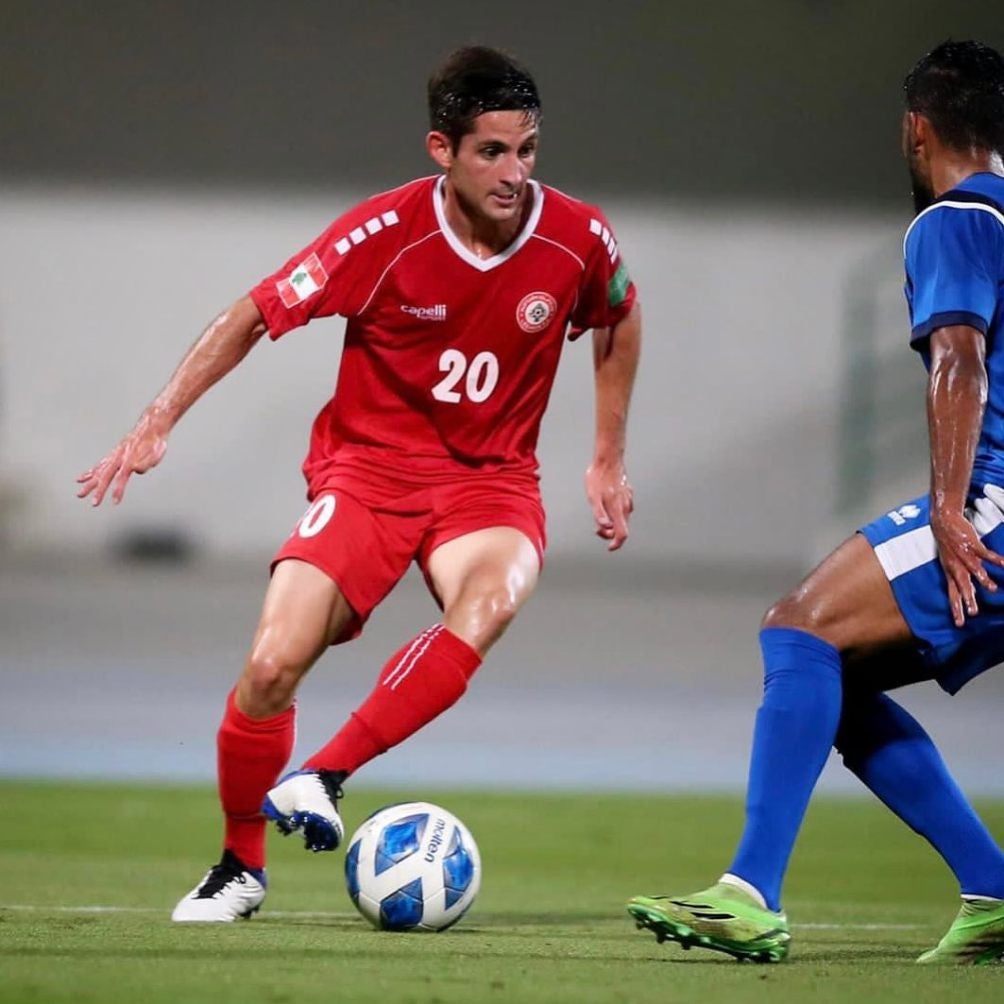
{"points": [[962, 555], [611, 498], [142, 449]]}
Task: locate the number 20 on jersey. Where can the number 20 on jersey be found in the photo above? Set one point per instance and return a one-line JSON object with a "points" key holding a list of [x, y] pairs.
{"points": [[476, 378]]}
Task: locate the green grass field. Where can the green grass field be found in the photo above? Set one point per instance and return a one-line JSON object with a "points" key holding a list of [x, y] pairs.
{"points": [[91, 872]]}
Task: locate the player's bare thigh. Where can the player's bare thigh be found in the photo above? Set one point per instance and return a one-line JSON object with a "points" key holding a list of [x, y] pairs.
{"points": [[847, 601], [304, 611], [482, 579]]}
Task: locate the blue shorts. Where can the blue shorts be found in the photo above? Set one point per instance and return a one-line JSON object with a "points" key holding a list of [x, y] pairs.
{"points": [[904, 545]]}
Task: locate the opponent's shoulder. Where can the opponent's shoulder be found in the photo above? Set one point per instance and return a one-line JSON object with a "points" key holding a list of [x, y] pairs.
{"points": [[579, 226], [393, 215], [983, 189], [974, 209]]}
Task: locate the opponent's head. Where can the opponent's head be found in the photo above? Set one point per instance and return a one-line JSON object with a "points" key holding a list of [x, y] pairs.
{"points": [[484, 116], [954, 105]]}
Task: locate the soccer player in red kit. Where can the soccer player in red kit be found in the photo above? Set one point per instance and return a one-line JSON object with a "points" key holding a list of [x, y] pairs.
{"points": [[459, 291]]}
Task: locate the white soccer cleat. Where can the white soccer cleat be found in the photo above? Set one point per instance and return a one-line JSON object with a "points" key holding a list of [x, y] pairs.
{"points": [[307, 800], [228, 891]]}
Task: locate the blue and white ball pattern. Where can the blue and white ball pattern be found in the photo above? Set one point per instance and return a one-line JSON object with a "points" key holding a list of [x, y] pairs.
{"points": [[412, 867]]}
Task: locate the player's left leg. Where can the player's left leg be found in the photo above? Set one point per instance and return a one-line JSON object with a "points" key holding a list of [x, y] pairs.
{"points": [[894, 757], [481, 579], [888, 749]]}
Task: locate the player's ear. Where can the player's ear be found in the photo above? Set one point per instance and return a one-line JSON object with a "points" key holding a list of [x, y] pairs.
{"points": [[919, 133], [440, 149]]}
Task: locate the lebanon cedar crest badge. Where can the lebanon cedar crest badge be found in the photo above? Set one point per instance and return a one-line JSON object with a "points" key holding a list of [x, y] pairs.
{"points": [[308, 277]]}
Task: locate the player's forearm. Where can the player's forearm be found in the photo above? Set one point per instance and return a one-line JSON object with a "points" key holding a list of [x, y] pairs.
{"points": [[956, 399], [217, 351], [615, 361]]}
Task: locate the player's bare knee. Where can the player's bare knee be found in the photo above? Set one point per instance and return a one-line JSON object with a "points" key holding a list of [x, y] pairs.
{"points": [[500, 609], [504, 603], [268, 684], [793, 612], [777, 615], [481, 617]]}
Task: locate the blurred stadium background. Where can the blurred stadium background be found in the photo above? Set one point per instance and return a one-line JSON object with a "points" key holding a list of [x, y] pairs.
{"points": [[155, 160]]}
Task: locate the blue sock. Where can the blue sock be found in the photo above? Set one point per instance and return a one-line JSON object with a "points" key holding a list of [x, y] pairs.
{"points": [[795, 728], [889, 750]]}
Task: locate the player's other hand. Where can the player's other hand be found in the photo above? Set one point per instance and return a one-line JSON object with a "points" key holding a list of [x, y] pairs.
{"points": [[963, 556], [142, 449], [611, 498]]}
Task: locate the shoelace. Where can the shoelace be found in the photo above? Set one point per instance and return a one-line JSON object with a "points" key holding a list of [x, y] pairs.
{"points": [[332, 781], [219, 877]]}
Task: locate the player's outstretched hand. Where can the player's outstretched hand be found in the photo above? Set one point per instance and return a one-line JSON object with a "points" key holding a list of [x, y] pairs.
{"points": [[611, 498], [963, 556], [142, 449]]}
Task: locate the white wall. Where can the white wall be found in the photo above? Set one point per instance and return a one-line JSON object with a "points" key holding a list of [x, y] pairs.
{"points": [[732, 448]]}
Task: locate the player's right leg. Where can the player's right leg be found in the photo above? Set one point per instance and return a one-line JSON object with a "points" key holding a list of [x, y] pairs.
{"points": [[303, 624], [725, 918], [304, 611], [844, 606]]}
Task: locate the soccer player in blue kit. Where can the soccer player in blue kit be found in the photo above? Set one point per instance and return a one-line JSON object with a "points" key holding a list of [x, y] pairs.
{"points": [[916, 594]]}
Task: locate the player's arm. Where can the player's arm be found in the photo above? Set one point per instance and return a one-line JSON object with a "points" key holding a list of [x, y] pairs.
{"points": [[615, 362], [217, 351], [956, 399]]}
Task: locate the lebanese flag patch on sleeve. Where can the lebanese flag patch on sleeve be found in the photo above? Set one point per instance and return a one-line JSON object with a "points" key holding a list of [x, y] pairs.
{"points": [[307, 278]]}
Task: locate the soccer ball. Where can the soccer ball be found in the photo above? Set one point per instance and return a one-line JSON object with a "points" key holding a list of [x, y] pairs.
{"points": [[412, 867]]}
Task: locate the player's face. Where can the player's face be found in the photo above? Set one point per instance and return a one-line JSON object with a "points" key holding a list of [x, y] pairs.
{"points": [[915, 150], [492, 164]]}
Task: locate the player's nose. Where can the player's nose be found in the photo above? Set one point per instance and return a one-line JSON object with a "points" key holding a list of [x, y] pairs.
{"points": [[513, 171]]}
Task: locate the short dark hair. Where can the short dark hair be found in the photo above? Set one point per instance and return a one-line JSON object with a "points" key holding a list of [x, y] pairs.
{"points": [[959, 86], [474, 80]]}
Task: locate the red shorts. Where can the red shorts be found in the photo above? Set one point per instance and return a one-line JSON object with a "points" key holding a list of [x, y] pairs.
{"points": [[364, 527]]}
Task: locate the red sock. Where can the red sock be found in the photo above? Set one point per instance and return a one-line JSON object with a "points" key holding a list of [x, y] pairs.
{"points": [[420, 682], [250, 755]]}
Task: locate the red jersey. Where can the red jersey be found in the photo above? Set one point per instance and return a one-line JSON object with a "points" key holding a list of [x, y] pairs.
{"points": [[448, 358]]}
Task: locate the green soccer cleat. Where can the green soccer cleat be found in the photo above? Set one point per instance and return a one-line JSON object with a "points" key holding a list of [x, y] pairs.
{"points": [[976, 937], [723, 918]]}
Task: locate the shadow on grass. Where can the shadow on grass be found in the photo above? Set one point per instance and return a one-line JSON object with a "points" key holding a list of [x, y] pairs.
{"points": [[495, 924], [254, 953], [494, 920]]}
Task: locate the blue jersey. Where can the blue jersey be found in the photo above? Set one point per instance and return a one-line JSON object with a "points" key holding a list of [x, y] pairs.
{"points": [[954, 254]]}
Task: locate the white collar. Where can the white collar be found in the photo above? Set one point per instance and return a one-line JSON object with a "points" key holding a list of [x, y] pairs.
{"points": [[462, 251]]}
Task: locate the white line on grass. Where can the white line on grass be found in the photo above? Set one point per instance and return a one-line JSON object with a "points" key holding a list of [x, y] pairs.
{"points": [[344, 915]]}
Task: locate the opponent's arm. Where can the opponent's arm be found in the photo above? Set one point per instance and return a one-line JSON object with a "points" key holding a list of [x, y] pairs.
{"points": [[956, 399], [217, 351], [615, 361]]}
